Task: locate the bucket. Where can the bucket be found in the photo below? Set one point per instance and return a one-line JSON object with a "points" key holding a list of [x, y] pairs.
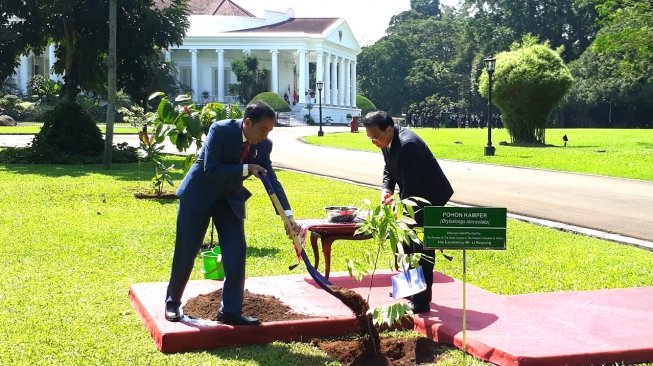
{"points": [[212, 264]]}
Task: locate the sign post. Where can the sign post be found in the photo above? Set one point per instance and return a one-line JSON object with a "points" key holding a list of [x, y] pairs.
{"points": [[465, 228]]}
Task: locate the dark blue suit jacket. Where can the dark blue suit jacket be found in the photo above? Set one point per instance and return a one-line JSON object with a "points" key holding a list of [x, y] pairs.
{"points": [[410, 164], [218, 173]]}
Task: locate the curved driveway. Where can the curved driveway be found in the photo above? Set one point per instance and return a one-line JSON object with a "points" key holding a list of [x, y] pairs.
{"points": [[621, 206]]}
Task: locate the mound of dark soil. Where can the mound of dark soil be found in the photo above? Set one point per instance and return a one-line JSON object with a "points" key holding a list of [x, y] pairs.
{"points": [[397, 352], [266, 308]]}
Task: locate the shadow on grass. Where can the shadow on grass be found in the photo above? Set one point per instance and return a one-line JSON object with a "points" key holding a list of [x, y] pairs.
{"points": [[261, 252], [142, 171], [270, 354], [647, 145]]}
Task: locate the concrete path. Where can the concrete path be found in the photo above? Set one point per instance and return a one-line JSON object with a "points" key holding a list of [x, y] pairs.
{"points": [[621, 206]]}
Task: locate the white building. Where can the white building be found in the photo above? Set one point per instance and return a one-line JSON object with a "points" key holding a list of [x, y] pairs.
{"points": [[221, 32]]}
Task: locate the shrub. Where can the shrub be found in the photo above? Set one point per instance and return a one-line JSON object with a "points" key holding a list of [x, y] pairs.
{"points": [[11, 105], [274, 100], [365, 105], [68, 129], [529, 82]]}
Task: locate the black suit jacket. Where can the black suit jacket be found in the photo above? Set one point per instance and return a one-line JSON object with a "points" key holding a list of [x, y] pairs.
{"points": [[218, 173], [410, 164]]}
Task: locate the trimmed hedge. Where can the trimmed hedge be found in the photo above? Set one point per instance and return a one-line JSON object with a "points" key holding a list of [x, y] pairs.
{"points": [[365, 105], [274, 100], [68, 129]]}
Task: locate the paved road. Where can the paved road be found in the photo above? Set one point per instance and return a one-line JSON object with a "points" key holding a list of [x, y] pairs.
{"points": [[620, 206]]}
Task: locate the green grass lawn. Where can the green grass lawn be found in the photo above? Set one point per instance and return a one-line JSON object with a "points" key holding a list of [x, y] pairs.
{"points": [[74, 238], [34, 129], [611, 152]]}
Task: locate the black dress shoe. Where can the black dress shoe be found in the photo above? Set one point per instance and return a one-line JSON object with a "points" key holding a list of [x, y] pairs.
{"points": [[236, 319], [418, 308], [173, 313]]}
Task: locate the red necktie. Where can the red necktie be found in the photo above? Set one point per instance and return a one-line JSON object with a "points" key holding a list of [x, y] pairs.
{"points": [[244, 154]]}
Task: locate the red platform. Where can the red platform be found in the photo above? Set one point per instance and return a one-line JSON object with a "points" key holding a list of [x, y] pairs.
{"points": [[297, 291], [572, 328]]}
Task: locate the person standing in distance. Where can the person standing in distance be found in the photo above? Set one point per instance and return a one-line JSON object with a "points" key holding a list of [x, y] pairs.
{"points": [[213, 188], [409, 164]]}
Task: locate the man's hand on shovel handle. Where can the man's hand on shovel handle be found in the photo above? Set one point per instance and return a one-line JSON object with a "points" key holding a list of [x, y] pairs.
{"points": [[292, 228], [255, 169]]}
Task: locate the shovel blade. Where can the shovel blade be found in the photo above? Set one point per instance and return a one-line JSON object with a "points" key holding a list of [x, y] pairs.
{"points": [[408, 283]]}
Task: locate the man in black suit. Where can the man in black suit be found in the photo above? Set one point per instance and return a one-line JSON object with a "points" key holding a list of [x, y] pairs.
{"points": [[410, 164], [213, 187]]}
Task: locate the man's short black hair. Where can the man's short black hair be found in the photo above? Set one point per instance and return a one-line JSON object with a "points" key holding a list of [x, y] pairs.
{"points": [[378, 118], [258, 111]]}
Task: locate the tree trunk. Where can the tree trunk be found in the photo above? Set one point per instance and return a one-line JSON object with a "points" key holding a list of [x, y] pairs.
{"points": [[70, 71], [111, 89]]}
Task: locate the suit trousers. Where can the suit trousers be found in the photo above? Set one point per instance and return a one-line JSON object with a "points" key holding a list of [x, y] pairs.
{"points": [[428, 265], [191, 229]]}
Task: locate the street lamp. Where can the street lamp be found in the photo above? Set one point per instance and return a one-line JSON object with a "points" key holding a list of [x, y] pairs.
{"points": [[490, 63], [319, 97]]}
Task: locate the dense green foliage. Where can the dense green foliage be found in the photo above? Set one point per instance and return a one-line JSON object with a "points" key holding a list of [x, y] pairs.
{"points": [[80, 30], [529, 82], [364, 104], [68, 129], [274, 100], [251, 80], [429, 61]]}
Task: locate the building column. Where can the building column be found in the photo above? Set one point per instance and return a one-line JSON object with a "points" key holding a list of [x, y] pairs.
{"points": [[194, 75], [327, 80], [51, 60], [23, 74], [220, 53], [275, 71], [348, 83], [341, 82], [319, 75], [353, 84], [302, 76], [334, 81]]}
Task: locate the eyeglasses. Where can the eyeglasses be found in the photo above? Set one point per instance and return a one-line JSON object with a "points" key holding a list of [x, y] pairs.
{"points": [[376, 139]]}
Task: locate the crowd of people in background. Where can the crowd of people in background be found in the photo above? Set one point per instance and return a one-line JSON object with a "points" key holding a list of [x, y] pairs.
{"points": [[452, 119]]}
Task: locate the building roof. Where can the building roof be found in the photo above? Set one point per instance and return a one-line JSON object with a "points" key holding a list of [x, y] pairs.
{"points": [[210, 7], [224, 8], [296, 25]]}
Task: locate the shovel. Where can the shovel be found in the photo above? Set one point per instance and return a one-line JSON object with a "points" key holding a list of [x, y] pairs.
{"points": [[299, 249], [409, 281]]}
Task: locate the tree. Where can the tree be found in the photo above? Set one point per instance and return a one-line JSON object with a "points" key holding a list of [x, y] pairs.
{"points": [[251, 79], [529, 82], [382, 69], [79, 29], [426, 7], [627, 35], [568, 23]]}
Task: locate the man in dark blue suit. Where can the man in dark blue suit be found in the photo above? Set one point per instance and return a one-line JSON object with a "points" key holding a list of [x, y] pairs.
{"points": [[409, 164], [213, 188]]}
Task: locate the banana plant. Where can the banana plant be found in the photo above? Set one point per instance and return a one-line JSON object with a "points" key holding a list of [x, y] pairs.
{"points": [[186, 124]]}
